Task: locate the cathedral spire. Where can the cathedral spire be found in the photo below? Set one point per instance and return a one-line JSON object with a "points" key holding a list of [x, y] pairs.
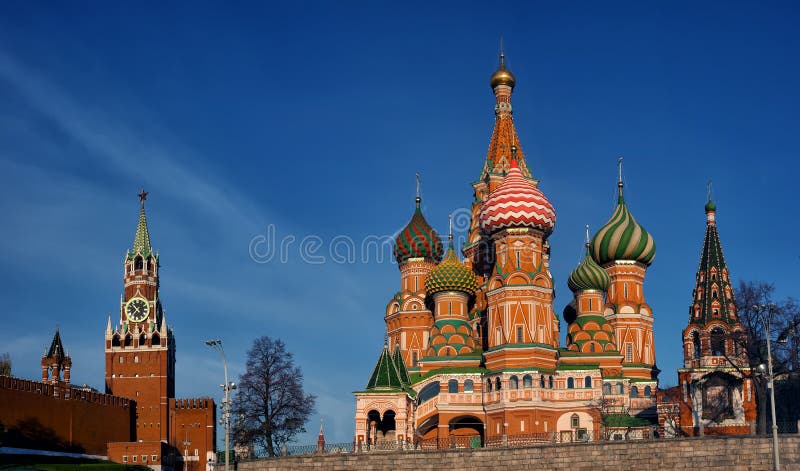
{"points": [[141, 241], [713, 294], [504, 136]]}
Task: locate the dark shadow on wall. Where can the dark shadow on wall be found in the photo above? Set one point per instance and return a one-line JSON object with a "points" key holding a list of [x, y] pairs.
{"points": [[30, 433]]}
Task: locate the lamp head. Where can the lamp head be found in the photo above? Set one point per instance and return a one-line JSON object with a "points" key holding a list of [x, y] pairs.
{"points": [[762, 368]]}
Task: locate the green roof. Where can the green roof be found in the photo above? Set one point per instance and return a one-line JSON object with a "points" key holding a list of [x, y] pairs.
{"points": [[417, 377], [141, 241], [387, 374], [712, 261]]}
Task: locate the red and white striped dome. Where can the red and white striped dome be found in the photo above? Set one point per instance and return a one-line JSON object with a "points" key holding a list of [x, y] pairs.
{"points": [[516, 202]]}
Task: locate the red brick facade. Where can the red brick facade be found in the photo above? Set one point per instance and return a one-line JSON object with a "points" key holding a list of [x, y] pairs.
{"points": [[62, 417]]}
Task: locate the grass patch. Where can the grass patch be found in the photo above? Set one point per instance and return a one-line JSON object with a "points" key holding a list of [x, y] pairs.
{"points": [[62, 463]]}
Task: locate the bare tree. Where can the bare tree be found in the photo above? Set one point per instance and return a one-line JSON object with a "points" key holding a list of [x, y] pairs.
{"points": [[783, 337], [270, 405], [5, 364]]}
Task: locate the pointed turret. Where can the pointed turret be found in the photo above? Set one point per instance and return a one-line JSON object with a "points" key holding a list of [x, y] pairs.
{"points": [[56, 361], [713, 294], [108, 326], [141, 241], [386, 374], [56, 349], [402, 373]]}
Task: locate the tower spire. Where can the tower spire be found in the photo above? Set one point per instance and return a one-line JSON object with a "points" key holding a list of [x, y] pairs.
{"points": [[418, 199], [450, 229], [141, 241]]}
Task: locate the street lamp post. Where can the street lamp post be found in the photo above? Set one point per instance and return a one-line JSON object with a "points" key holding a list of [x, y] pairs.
{"points": [[776, 460], [186, 443], [226, 403]]}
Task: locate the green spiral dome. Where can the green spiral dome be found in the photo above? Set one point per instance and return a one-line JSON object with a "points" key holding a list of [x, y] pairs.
{"points": [[622, 238], [451, 275], [588, 275], [418, 240]]}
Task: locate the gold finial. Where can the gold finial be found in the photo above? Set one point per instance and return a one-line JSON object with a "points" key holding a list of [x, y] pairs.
{"points": [[502, 76], [587, 236], [619, 181]]}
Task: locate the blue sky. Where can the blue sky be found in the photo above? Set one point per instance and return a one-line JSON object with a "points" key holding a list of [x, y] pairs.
{"points": [[314, 117]]}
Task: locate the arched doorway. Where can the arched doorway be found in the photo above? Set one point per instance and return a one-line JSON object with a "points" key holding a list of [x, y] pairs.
{"points": [[381, 429], [466, 431]]}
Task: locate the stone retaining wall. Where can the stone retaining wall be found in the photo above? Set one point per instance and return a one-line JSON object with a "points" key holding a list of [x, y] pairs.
{"points": [[710, 453]]}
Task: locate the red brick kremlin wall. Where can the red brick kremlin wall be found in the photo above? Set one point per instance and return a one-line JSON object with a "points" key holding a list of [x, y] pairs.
{"points": [[32, 417]]}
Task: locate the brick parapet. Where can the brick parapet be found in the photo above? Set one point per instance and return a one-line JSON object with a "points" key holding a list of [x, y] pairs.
{"points": [[76, 394]]}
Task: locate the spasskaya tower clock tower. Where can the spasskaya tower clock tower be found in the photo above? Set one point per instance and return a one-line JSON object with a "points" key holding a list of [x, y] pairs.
{"points": [[140, 351]]}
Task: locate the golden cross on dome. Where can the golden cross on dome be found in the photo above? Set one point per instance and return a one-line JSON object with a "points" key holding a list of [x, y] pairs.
{"points": [[143, 196]]}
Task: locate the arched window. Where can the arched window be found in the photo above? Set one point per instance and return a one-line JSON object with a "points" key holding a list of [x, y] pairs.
{"points": [[620, 389], [717, 342], [606, 388], [489, 384], [634, 391], [550, 382], [570, 383], [575, 421], [648, 391], [414, 358], [587, 382], [115, 341], [513, 383], [142, 339], [452, 386], [137, 263], [429, 392], [497, 383], [128, 340], [527, 381], [156, 339], [468, 386], [696, 344], [541, 381]]}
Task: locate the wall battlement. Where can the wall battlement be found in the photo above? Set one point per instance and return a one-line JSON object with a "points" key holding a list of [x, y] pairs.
{"points": [[12, 383], [193, 403]]}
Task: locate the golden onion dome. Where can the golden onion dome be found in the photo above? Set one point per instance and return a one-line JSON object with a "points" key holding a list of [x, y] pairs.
{"points": [[502, 76]]}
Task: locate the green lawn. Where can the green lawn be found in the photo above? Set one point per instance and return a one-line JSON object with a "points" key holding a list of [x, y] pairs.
{"points": [[58, 463]]}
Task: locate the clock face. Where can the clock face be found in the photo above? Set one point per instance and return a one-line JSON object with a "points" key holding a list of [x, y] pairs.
{"points": [[136, 309]]}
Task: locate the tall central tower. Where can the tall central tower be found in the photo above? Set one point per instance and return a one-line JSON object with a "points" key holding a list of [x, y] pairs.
{"points": [[140, 351]]}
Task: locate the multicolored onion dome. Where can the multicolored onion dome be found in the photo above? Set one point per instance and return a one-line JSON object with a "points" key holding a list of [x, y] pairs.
{"points": [[588, 275], [418, 240], [450, 337], [516, 202], [451, 275], [502, 76], [622, 238]]}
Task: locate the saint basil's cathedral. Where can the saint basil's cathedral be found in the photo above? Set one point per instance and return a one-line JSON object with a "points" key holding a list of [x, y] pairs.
{"points": [[472, 354]]}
